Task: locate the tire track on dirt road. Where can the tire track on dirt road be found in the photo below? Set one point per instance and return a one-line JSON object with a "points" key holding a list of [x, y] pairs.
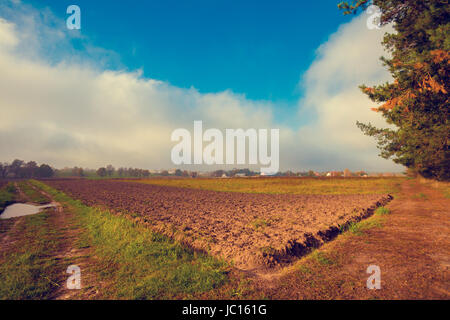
{"points": [[65, 223]]}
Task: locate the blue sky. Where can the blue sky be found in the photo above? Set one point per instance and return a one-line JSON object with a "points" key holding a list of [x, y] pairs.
{"points": [[115, 91], [257, 48]]}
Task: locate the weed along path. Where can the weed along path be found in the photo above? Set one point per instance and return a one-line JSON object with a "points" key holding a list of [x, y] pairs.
{"points": [[409, 242]]}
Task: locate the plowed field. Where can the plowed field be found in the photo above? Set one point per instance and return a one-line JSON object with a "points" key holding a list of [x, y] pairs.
{"points": [[252, 230]]}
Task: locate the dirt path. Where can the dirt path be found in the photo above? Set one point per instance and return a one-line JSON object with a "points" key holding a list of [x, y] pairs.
{"points": [[71, 251], [412, 249], [21, 196], [68, 251]]}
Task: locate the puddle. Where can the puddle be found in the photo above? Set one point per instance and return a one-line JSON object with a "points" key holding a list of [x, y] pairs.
{"points": [[22, 209]]}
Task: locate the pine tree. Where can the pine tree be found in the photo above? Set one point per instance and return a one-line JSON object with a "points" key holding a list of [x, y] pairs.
{"points": [[416, 102]]}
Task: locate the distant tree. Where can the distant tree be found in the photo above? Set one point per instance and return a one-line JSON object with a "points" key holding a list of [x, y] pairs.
{"points": [[289, 173], [416, 102], [218, 173], [14, 169], [29, 170], [165, 173], [101, 172], [45, 171], [77, 172], [110, 170]]}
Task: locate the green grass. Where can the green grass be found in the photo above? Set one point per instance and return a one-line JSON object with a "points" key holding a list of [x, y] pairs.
{"points": [[33, 194], [30, 272], [138, 263], [268, 250], [420, 196], [304, 269], [360, 228], [286, 185], [243, 289], [321, 258], [446, 192], [260, 224], [7, 195], [381, 211]]}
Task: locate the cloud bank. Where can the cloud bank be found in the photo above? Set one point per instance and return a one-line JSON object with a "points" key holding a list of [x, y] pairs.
{"points": [[71, 110]]}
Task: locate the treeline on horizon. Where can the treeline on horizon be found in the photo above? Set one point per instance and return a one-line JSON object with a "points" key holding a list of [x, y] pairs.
{"points": [[20, 169]]}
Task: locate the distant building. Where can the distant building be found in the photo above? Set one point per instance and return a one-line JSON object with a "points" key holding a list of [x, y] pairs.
{"points": [[360, 174], [204, 174], [334, 174]]}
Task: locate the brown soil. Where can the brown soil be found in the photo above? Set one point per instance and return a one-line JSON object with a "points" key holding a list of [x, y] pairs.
{"points": [[412, 250], [252, 230]]}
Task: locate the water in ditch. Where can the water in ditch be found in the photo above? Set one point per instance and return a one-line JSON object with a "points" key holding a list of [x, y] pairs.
{"points": [[22, 209]]}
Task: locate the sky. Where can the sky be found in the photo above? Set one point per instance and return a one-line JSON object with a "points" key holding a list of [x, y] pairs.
{"points": [[114, 91]]}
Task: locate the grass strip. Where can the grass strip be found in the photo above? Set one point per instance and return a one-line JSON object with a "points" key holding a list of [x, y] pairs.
{"points": [[33, 194], [7, 195], [286, 185], [29, 270]]}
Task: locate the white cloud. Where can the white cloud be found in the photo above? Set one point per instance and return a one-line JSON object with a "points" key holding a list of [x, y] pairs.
{"points": [[74, 112], [8, 38], [349, 58]]}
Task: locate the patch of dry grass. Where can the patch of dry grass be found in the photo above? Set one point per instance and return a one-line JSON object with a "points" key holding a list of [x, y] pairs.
{"points": [[444, 187], [285, 185]]}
